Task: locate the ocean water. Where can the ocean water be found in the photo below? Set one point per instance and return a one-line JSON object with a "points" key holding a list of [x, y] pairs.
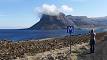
{"points": [[18, 35]]}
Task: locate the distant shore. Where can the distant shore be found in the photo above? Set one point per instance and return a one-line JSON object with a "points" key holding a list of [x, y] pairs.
{"points": [[11, 50]]}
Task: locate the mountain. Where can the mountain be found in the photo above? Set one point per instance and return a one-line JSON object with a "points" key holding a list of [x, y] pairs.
{"points": [[52, 22], [61, 21]]}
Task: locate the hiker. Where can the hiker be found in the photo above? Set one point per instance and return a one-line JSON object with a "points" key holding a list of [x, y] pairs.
{"points": [[92, 41], [70, 29]]}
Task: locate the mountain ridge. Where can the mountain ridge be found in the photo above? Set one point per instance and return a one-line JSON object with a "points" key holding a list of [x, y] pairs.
{"points": [[61, 21]]}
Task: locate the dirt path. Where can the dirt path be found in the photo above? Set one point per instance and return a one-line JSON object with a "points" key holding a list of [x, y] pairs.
{"points": [[100, 52]]}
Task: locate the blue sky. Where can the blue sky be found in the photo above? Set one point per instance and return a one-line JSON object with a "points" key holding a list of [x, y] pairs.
{"points": [[16, 14]]}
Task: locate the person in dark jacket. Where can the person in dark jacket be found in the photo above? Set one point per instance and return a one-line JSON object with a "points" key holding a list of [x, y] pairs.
{"points": [[92, 41], [70, 29]]}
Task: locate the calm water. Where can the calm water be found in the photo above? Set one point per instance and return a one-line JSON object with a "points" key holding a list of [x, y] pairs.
{"points": [[16, 35]]}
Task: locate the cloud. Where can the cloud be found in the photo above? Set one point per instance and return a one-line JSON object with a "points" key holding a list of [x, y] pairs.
{"points": [[66, 8], [49, 9], [53, 9]]}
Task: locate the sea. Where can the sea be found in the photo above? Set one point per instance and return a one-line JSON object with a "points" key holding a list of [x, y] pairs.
{"points": [[24, 34]]}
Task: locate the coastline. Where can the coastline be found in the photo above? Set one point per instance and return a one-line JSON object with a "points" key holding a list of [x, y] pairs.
{"points": [[12, 50]]}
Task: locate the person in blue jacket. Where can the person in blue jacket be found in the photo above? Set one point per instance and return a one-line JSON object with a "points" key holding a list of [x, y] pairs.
{"points": [[70, 29], [92, 41]]}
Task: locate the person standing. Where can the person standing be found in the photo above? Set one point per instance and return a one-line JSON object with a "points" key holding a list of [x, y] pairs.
{"points": [[70, 30], [92, 41]]}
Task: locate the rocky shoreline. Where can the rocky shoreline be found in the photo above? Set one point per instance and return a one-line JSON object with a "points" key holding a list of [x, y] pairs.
{"points": [[12, 50]]}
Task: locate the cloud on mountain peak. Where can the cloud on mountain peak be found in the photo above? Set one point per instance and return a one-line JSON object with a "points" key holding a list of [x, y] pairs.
{"points": [[51, 9]]}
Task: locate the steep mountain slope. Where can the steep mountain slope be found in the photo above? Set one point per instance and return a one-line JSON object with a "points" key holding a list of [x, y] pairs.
{"points": [[52, 22], [48, 22]]}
